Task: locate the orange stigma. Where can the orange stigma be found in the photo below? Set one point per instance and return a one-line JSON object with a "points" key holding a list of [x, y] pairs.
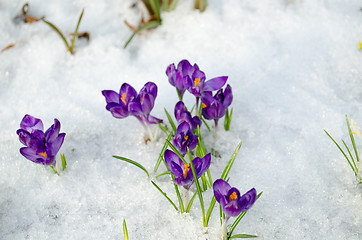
{"points": [[233, 196], [186, 137], [204, 105], [187, 166], [197, 82], [44, 154], [123, 98]]}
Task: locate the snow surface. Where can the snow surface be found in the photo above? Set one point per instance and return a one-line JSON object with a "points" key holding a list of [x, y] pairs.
{"points": [[295, 69]]}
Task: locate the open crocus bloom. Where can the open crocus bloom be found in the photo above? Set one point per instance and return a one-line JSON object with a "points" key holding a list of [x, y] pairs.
{"points": [[214, 107], [184, 138], [197, 85], [176, 76], [182, 172], [184, 116], [230, 200], [128, 102], [40, 147]]}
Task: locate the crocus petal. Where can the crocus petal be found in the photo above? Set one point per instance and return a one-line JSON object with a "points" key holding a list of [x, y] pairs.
{"points": [[221, 189], [179, 109], [30, 124], [247, 200], [215, 83], [185, 68], [31, 154], [24, 137], [129, 93], [111, 96], [150, 88], [173, 163], [117, 110], [171, 73], [206, 160], [228, 96], [52, 133], [183, 128], [135, 108], [147, 102], [54, 146], [153, 120], [232, 209]]}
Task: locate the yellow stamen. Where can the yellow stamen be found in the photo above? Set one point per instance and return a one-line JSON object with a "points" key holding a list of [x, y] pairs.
{"points": [[204, 105], [197, 82], [186, 137], [187, 166], [123, 98], [360, 45], [233, 196], [353, 133], [44, 154]]}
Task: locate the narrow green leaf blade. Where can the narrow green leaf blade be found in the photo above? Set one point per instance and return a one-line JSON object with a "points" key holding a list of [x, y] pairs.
{"points": [[59, 33], [76, 31], [164, 194], [134, 163], [243, 236], [231, 162], [191, 202], [64, 161], [125, 231], [171, 121], [146, 26]]}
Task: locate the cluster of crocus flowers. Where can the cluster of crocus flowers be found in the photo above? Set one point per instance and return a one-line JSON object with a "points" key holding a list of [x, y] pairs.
{"points": [[214, 107], [41, 147], [231, 202], [128, 102]]}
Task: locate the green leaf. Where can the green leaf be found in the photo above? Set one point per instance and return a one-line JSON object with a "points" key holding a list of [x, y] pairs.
{"points": [[340, 149], [64, 161], [151, 24], [164, 173], [227, 120], [171, 121], [76, 31], [125, 232], [201, 5], [59, 33], [160, 157], [164, 194], [173, 5], [155, 5], [199, 191], [54, 170], [231, 162], [243, 236], [203, 120], [134, 163], [353, 143], [191, 202], [209, 211]]}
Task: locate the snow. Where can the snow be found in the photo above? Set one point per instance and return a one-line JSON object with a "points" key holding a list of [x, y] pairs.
{"points": [[294, 66]]}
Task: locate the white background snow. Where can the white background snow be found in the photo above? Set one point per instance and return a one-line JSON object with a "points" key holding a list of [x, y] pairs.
{"points": [[295, 69]]}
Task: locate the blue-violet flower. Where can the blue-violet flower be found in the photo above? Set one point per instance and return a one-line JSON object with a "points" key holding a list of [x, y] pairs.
{"points": [[184, 116], [214, 107], [40, 147], [182, 172], [184, 138]]}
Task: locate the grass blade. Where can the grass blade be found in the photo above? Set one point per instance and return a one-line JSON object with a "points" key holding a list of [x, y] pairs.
{"points": [[171, 121], [243, 236], [146, 26], [59, 33], [340, 149], [125, 232], [64, 161], [164, 173], [231, 162], [201, 5], [353, 142], [155, 5], [160, 157], [191, 202], [134, 163], [173, 5], [199, 191], [76, 31], [164, 194], [350, 154]]}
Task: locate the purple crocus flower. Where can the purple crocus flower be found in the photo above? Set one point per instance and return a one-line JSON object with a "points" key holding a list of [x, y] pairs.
{"points": [[182, 172], [184, 138], [176, 76], [40, 147], [214, 107], [197, 85], [184, 116], [128, 102], [230, 200]]}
